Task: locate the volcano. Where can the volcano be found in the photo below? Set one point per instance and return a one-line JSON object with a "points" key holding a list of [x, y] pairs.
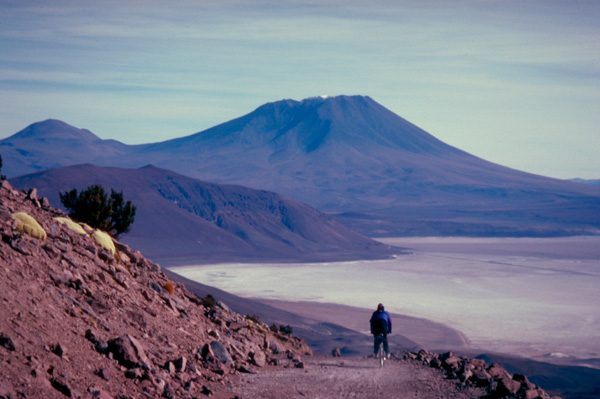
{"points": [[370, 168]]}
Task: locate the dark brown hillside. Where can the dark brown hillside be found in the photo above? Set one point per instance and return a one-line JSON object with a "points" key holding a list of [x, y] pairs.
{"points": [[181, 220]]}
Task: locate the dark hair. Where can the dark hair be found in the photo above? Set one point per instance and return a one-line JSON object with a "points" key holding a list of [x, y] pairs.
{"points": [[380, 307]]}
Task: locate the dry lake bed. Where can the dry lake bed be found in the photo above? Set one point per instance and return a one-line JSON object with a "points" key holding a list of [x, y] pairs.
{"points": [[535, 297]]}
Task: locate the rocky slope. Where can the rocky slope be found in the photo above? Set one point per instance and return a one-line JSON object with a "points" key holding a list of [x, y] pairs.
{"points": [[82, 318]]}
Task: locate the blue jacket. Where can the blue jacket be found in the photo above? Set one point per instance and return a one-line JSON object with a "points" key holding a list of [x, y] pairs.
{"points": [[381, 323]]}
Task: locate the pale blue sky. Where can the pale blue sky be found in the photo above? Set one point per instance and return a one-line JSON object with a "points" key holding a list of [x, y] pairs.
{"points": [[514, 82]]}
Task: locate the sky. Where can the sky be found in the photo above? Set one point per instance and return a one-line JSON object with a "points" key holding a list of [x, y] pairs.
{"points": [[511, 81]]}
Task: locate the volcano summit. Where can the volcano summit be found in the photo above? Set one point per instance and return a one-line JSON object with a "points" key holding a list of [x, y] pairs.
{"points": [[350, 156]]}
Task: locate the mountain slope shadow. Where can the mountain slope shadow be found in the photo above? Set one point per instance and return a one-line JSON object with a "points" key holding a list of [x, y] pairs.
{"points": [[181, 220]]}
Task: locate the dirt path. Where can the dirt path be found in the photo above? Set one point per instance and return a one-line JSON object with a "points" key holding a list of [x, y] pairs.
{"points": [[349, 377]]}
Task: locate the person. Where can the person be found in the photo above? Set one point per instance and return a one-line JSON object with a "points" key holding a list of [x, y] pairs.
{"points": [[381, 326]]}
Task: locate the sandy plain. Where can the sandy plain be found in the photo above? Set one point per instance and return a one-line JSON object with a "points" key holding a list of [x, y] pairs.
{"points": [[533, 297]]}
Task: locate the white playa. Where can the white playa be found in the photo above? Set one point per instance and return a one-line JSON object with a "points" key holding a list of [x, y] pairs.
{"points": [[525, 296]]}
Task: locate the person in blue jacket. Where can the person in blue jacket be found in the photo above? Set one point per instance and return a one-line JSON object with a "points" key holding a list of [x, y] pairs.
{"points": [[381, 326]]}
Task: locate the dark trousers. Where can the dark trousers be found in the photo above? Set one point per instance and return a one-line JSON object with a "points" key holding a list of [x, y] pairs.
{"points": [[378, 340]]}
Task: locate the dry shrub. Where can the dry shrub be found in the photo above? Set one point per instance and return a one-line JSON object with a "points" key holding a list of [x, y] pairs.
{"points": [[285, 330], [169, 287], [209, 301]]}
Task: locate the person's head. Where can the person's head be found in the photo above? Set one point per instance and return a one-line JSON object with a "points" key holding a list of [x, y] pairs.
{"points": [[380, 308]]}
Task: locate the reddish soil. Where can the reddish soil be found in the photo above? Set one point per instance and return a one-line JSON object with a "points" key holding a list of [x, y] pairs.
{"points": [[351, 377]]}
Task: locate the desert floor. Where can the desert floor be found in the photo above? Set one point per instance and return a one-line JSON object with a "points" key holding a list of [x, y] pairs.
{"points": [[534, 297], [325, 377]]}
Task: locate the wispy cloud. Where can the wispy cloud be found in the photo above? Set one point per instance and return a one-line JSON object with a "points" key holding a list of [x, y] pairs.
{"points": [[456, 68]]}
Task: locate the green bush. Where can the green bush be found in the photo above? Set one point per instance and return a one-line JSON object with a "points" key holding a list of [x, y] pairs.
{"points": [[92, 206], [253, 318]]}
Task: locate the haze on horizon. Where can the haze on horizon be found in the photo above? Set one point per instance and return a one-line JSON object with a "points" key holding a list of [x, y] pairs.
{"points": [[513, 82]]}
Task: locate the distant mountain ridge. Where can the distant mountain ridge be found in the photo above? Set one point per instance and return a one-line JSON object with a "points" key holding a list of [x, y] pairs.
{"points": [[180, 220], [352, 157], [591, 182], [52, 144]]}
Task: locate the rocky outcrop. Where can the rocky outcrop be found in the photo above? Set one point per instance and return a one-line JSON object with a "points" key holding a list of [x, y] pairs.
{"points": [[80, 319], [494, 379]]}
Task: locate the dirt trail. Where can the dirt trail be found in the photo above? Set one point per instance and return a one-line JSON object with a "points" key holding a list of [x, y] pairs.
{"points": [[350, 377]]}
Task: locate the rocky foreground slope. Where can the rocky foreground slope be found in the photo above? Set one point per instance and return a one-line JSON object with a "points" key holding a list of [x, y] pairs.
{"points": [[83, 316]]}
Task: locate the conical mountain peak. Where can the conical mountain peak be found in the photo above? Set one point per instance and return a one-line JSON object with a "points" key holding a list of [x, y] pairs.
{"points": [[356, 120], [54, 129], [341, 153], [310, 124], [52, 143]]}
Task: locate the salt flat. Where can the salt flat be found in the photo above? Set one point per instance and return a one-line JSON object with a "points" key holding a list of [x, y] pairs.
{"points": [[526, 296]]}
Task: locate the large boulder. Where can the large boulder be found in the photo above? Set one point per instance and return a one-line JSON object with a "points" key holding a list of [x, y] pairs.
{"points": [[217, 350], [128, 352], [505, 386], [258, 358]]}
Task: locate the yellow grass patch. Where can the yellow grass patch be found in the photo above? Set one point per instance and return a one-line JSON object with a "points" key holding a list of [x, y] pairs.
{"points": [[71, 224], [87, 228], [104, 240], [29, 225]]}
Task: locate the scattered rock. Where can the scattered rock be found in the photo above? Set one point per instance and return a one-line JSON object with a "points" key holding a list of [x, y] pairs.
{"points": [[58, 350], [128, 352], [98, 393], [6, 342], [135, 373], [480, 377], [497, 371], [504, 386], [258, 358], [32, 194], [221, 353], [155, 287], [103, 373], [180, 364], [61, 385], [497, 382]]}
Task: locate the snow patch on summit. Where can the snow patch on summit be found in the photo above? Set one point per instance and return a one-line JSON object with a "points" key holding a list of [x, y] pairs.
{"points": [[322, 97]]}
